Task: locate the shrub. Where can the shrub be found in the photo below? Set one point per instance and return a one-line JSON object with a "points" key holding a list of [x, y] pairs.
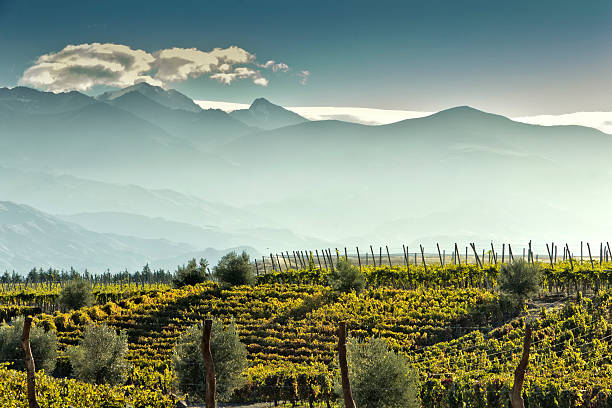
{"points": [[100, 357], [76, 294], [43, 344], [380, 378], [234, 269], [346, 277], [228, 353], [520, 280], [192, 274]]}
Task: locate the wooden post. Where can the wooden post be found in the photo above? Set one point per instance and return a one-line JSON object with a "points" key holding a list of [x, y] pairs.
{"points": [[280, 268], [256, 268], [590, 257], [346, 383], [388, 256], [478, 262], [516, 397], [439, 254], [493, 252], [503, 252], [458, 257], [211, 382], [379, 256], [550, 256], [264, 264], [285, 261], [318, 259], [423, 257], [510, 255], [569, 254], [29, 362], [358, 258], [373, 258], [405, 259], [345, 254]]}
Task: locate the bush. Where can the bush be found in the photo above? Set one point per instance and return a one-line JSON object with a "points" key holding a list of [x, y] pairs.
{"points": [[192, 274], [234, 269], [380, 378], [76, 294], [43, 344], [228, 353], [520, 280], [346, 277], [100, 357]]}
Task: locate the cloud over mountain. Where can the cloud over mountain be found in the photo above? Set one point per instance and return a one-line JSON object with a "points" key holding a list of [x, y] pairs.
{"points": [[80, 67]]}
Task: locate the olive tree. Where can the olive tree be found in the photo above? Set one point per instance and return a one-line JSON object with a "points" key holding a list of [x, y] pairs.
{"points": [[100, 356], [43, 344], [380, 377], [520, 279], [234, 269], [229, 357], [76, 294], [346, 277]]}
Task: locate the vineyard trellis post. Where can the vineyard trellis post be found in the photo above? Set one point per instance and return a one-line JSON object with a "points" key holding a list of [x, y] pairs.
{"points": [[211, 382], [516, 397], [358, 258], [29, 362], [342, 359], [388, 256]]}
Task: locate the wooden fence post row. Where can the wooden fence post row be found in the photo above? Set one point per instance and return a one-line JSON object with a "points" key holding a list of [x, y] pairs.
{"points": [[303, 258]]}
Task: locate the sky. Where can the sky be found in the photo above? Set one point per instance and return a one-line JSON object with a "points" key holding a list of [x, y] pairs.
{"points": [[518, 58]]}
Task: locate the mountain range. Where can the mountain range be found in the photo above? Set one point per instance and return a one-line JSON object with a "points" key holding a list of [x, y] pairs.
{"points": [[148, 163]]}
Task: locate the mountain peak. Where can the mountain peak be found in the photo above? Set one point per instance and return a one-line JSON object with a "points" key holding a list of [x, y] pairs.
{"points": [[265, 115], [262, 102], [169, 98]]}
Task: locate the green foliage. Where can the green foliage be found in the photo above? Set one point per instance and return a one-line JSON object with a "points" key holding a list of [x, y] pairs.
{"points": [[234, 269], [100, 356], [192, 274], [380, 377], [76, 294], [229, 356], [346, 277], [520, 279], [43, 344]]}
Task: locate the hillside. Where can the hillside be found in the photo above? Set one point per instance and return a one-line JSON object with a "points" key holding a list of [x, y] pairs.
{"points": [[30, 238]]}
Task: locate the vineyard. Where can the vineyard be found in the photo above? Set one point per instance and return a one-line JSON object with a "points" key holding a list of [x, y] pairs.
{"points": [[457, 331]]}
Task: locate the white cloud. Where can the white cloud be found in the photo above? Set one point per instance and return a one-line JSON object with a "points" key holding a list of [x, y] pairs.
{"points": [[366, 116], [598, 120], [241, 73], [274, 66], [304, 75], [372, 116], [80, 67]]}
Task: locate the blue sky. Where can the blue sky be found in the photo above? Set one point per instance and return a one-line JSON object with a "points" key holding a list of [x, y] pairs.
{"points": [[515, 58]]}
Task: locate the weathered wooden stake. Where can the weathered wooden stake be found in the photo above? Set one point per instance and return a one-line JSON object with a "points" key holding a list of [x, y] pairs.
{"points": [[423, 257], [346, 383], [516, 397], [29, 361], [440, 254], [211, 382], [388, 256], [358, 258], [373, 258], [590, 257]]}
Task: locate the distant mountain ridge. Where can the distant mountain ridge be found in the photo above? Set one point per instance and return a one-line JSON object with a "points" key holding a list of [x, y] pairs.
{"points": [[169, 98], [265, 115]]}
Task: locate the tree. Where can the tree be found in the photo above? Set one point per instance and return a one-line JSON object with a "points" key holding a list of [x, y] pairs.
{"points": [[381, 378], [346, 277], [520, 279], [192, 274], [234, 269], [43, 344], [100, 356], [229, 356], [76, 294]]}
